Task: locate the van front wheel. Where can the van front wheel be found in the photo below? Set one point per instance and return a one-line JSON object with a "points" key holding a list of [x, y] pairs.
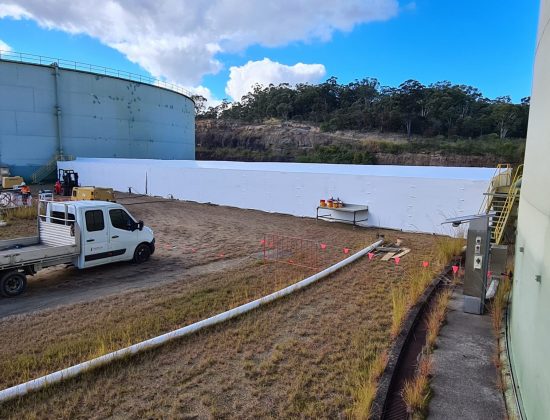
{"points": [[142, 253]]}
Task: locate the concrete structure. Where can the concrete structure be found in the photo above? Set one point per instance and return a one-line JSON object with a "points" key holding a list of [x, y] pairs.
{"points": [[413, 198], [464, 375], [530, 312], [46, 109]]}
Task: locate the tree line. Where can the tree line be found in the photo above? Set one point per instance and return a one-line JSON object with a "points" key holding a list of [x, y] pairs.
{"points": [[440, 109]]}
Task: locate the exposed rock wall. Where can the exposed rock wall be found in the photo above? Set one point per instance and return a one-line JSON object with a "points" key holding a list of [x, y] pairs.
{"points": [[286, 141]]}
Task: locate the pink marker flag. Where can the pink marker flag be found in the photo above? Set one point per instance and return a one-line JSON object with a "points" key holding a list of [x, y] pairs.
{"points": [[371, 255], [323, 246], [489, 273], [455, 269], [262, 241], [397, 259], [346, 250], [425, 263]]}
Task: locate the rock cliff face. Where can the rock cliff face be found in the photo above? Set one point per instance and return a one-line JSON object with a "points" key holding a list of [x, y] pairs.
{"points": [[289, 141]]}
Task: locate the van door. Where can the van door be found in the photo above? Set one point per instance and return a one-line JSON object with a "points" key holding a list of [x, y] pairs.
{"points": [[96, 238], [124, 235]]}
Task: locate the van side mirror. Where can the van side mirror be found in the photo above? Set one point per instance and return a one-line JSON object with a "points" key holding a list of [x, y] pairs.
{"points": [[140, 225]]}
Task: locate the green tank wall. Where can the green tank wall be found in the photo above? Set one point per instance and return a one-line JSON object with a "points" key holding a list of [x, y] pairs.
{"points": [[530, 311]]}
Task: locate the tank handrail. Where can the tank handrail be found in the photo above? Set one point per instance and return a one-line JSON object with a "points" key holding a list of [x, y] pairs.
{"points": [[21, 57]]}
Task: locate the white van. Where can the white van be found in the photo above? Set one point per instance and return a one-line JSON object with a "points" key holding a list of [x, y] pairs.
{"points": [[81, 233]]}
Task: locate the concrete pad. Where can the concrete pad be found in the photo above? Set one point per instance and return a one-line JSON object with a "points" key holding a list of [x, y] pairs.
{"points": [[464, 376]]}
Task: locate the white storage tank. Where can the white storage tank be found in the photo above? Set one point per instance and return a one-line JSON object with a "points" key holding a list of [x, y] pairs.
{"points": [[48, 107]]}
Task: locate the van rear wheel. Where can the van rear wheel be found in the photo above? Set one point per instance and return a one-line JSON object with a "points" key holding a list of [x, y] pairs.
{"points": [[12, 283], [142, 253]]}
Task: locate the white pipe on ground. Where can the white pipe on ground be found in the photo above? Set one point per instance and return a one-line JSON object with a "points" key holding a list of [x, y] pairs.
{"points": [[55, 377]]}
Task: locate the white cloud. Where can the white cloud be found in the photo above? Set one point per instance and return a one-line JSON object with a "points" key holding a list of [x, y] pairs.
{"points": [[179, 39], [203, 91], [264, 72], [4, 46]]}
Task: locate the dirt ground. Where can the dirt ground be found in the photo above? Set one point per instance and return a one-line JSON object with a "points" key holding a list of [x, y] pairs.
{"points": [[298, 357], [188, 235]]}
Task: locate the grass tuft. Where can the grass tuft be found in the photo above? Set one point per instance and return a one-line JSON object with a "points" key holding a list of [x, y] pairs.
{"points": [[499, 303], [400, 306], [447, 247], [416, 392], [365, 391], [19, 213], [437, 317]]}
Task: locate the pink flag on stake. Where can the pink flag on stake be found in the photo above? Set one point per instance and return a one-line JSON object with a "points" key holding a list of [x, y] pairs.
{"points": [[346, 250], [425, 264], [262, 241], [371, 255], [455, 269], [489, 273], [397, 259], [323, 246]]}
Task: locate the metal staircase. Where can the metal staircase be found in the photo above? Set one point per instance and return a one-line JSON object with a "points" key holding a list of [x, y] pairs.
{"points": [[501, 178], [501, 200], [508, 211], [49, 168]]}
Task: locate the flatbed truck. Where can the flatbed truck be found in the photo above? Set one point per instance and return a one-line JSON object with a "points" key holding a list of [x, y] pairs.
{"points": [[79, 233]]}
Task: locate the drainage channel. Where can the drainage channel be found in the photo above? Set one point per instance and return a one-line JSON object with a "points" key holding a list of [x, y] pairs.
{"points": [[404, 354], [395, 405]]}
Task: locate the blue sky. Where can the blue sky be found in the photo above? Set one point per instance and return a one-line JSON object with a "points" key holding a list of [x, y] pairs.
{"points": [[488, 44]]}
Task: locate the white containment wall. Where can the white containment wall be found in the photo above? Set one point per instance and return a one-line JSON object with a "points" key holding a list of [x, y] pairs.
{"points": [[45, 109], [412, 198]]}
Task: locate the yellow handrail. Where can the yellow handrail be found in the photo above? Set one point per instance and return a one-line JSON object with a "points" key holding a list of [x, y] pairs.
{"points": [[502, 221], [501, 169]]}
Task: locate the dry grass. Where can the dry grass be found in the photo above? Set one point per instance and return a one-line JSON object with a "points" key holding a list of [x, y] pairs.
{"points": [[417, 279], [499, 304], [20, 213], [416, 392], [317, 353], [498, 307], [447, 247], [366, 384], [112, 332], [400, 306], [436, 317]]}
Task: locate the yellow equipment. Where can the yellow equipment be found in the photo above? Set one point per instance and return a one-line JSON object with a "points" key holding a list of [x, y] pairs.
{"points": [[93, 193], [11, 181]]}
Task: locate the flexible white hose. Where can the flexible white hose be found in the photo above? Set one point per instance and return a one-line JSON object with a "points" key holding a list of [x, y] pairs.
{"points": [[55, 377]]}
